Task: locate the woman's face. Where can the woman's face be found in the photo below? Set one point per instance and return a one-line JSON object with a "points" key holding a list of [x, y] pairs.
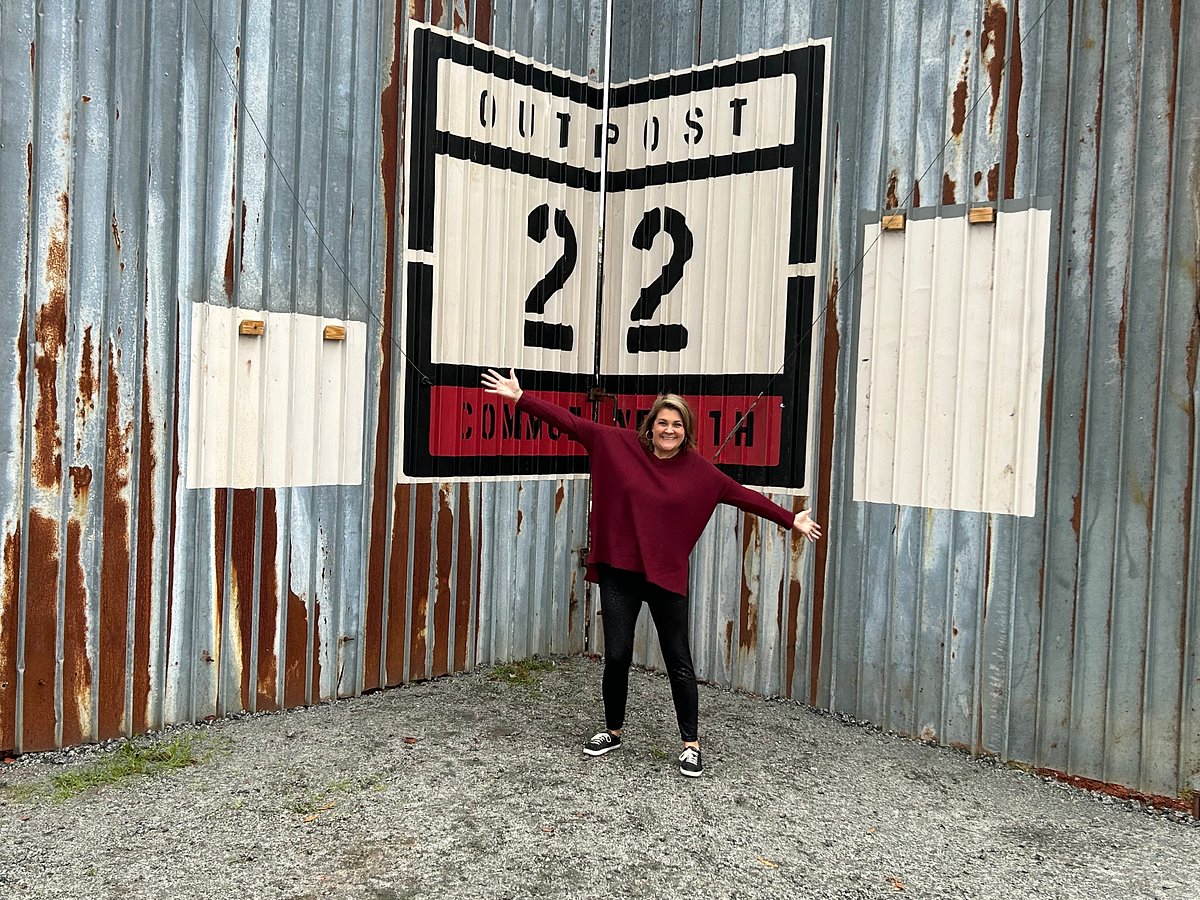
{"points": [[667, 433]]}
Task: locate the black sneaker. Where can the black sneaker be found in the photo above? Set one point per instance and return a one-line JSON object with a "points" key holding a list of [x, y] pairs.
{"points": [[602, 743], [690, 764]]}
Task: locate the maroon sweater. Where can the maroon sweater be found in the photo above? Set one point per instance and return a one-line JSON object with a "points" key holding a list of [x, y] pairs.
{"points": [[648, 513]]}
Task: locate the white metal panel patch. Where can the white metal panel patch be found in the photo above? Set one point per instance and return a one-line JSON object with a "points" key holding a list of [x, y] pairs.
{"points": [[280, 408], [950, 345]]}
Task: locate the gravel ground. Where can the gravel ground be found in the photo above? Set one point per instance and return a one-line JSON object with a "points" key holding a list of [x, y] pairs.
{"points": [[474, 786]]}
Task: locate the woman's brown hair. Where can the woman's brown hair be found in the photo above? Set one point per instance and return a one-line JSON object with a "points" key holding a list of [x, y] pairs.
{"points": [[679, 405]]}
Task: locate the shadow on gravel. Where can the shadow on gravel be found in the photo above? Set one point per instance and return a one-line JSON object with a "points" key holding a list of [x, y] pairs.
{"points": [[473, 786]]}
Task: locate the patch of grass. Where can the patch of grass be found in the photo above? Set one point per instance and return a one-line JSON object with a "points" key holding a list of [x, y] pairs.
{"points": [[522, 671], [127, 760], [20, 793], [130, 759], [658, 753]]}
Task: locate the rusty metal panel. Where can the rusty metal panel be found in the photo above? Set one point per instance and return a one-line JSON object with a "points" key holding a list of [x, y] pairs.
{"points": [[1065, 640], [256, 163]]}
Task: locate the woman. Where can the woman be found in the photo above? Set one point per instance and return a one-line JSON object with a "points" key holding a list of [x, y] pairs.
{"points": [[652, 495]]}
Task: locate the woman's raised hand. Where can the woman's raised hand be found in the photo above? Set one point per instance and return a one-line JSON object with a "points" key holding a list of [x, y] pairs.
{"points": [[805, 526], [495, 383]]}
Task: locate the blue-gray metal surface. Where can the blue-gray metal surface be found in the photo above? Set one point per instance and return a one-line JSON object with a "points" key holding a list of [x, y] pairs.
{"points": [[130, 145]]}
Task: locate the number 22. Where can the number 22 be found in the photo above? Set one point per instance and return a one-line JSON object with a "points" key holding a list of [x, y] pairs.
{"points": [[639, 338]]}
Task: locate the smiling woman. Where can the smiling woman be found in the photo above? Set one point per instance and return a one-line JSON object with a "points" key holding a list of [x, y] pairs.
{"points": [[652, 496]]}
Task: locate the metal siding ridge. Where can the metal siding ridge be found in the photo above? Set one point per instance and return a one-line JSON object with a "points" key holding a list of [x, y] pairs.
{"points": [[1103, 464], [18, 51]]}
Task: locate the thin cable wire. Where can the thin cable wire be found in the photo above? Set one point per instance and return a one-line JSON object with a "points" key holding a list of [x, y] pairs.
{"points": [[832, 297], [299, 205]]}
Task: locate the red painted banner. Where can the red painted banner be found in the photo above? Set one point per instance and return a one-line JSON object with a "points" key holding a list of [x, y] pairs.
{"points": [[471, 422]]}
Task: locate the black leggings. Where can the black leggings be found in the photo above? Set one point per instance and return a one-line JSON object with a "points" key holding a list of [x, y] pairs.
{"points": [[621, 596]]}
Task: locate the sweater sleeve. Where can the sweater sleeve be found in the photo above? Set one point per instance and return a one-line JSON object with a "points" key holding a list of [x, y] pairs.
{"points": [[754, 502], [583, 430]]}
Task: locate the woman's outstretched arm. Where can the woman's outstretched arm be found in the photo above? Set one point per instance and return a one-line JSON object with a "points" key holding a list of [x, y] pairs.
{"points": [[564, 420], [743, 498]]}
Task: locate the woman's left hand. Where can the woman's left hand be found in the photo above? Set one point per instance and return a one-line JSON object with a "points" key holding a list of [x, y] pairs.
{"points": [[804, 525]]}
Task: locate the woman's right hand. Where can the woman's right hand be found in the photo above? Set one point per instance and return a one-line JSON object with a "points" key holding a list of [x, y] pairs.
{"points": [[495, 383]]}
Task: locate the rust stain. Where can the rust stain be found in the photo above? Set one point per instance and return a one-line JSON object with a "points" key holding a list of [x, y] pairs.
{"points": [[242, 245], [958, 103], [389, 109], [50, 330], [116, 232], [22, 349], [1113, 790], [314, 686], [1189, 487], [114, 562], [978, 178], [788, 629], [483, 21], [268, 606], [822, 500], [295, 663], [174, 495], [520, 518], [893, 200], [229, 266], [728, 645], [143, 596], [1172, 83], [77, 667], [220, 531], [1122, 325], [397, 599], [992, 37], [422, 562], [748, 608], [88, 375], [81, 483], [437, 13], [462, 592], [948, 190], [1016, 79], [558, 497], [41, 625], [993, 181], [916, 193], [242, 572], [442, 663], [8, 640]]}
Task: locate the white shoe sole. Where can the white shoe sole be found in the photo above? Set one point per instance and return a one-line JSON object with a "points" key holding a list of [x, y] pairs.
{"points": [[691, 774], [608, 749]]}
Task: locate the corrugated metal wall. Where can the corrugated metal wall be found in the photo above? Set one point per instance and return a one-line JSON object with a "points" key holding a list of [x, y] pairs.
{"points": [[1066, 640], [133, 146]]}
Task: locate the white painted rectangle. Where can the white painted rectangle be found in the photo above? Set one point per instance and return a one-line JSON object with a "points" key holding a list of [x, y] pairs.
{"points": [[486, 264], [949, 393], [284, 409], [732, 293]]}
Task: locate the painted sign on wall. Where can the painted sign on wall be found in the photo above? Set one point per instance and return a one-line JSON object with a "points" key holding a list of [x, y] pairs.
{"points": [[711, 202]]}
